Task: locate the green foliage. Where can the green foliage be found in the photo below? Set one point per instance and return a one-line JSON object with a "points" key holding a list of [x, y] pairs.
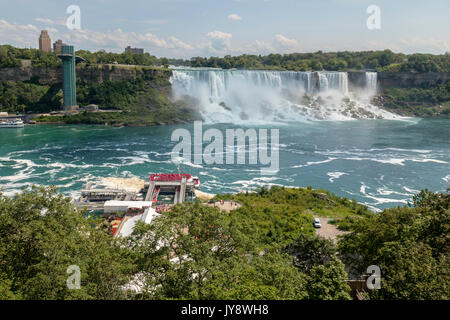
{"points": [[334, 61], [7, 58], [410, 245], [213, 257], [418, 101], [328, 282], [309, 251], [409, 271], [282, 214], [103, 57], [110, 94], [41, 235], [17, 96], [200, 252], [10, 57], [141, 101]]}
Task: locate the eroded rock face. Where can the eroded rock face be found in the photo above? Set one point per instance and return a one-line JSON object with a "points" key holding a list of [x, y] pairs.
{"points": [[387, 80], [15, 74]]}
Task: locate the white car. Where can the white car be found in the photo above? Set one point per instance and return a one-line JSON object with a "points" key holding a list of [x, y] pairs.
{"points": [[317, 223]]}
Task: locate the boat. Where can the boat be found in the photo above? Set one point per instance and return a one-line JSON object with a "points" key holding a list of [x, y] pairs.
{"points": [[14, 123]]}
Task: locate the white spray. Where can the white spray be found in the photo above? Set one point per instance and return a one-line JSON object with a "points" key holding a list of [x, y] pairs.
{"points": [[238, 96]]}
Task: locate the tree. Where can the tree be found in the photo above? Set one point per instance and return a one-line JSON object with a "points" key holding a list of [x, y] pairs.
{"points": [[409, 271], [410, 245], [268, 277], [197, 252], [42, 235], [328, 282], [316, 65], [165, 62], [309, 251]]}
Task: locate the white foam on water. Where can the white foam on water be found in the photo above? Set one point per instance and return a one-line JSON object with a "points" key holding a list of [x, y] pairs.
{"points": [[311, 163], [362, 189], [384, 191], [335, 175], [411, 191], [429, 160], [183, 161]]}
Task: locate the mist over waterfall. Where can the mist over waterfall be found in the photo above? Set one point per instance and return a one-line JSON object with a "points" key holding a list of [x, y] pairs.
{"points": [[265, 96]]}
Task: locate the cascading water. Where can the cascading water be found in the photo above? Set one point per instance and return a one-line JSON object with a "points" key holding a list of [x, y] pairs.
{"points": [[264, 96], [371, 81]]}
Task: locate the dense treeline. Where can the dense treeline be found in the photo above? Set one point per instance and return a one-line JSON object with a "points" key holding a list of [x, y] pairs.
{"points": [[103, 57], [199, 252], [385, 60], [334, 61], [11, 57]]}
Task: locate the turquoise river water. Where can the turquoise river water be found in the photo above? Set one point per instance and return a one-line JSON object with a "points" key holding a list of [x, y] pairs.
{"points": [[380, 163]]}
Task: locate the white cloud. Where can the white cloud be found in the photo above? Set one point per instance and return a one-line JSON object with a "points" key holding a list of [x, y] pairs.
{"points": [[219, 42], [286, 42], [213, 43], [177, 43], [18, 34], [116, 40], [235, 17], [219, 35], [45, 21]]}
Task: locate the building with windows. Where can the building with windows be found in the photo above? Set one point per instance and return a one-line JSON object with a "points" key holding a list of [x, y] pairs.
{"points": [[45, 43], [57, 45], [134, 50]]}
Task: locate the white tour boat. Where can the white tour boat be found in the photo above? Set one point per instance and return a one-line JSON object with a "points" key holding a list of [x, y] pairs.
{"points": [[14, 123]]}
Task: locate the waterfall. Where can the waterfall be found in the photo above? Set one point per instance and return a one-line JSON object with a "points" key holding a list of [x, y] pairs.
{"points": [[371, 81], [247, 95]]}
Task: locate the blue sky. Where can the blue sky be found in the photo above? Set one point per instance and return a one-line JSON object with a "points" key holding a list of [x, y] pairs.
{"points": [[186, 28]]}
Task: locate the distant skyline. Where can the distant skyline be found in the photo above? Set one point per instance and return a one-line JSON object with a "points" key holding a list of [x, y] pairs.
{"points": [[188, 28]]}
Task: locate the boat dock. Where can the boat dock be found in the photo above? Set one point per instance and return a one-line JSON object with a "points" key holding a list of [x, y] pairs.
{"points": [[162, 191]]}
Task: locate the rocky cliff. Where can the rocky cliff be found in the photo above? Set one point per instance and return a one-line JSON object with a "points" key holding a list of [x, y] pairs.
{"points": [[388, 80]]}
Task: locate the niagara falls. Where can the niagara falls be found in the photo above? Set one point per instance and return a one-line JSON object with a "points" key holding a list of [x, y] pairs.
{"points": [[238, 96]]}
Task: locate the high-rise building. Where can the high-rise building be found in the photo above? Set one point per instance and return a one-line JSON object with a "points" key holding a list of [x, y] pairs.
{"points": [[45, 43], [57, 46], [134, 50]]}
